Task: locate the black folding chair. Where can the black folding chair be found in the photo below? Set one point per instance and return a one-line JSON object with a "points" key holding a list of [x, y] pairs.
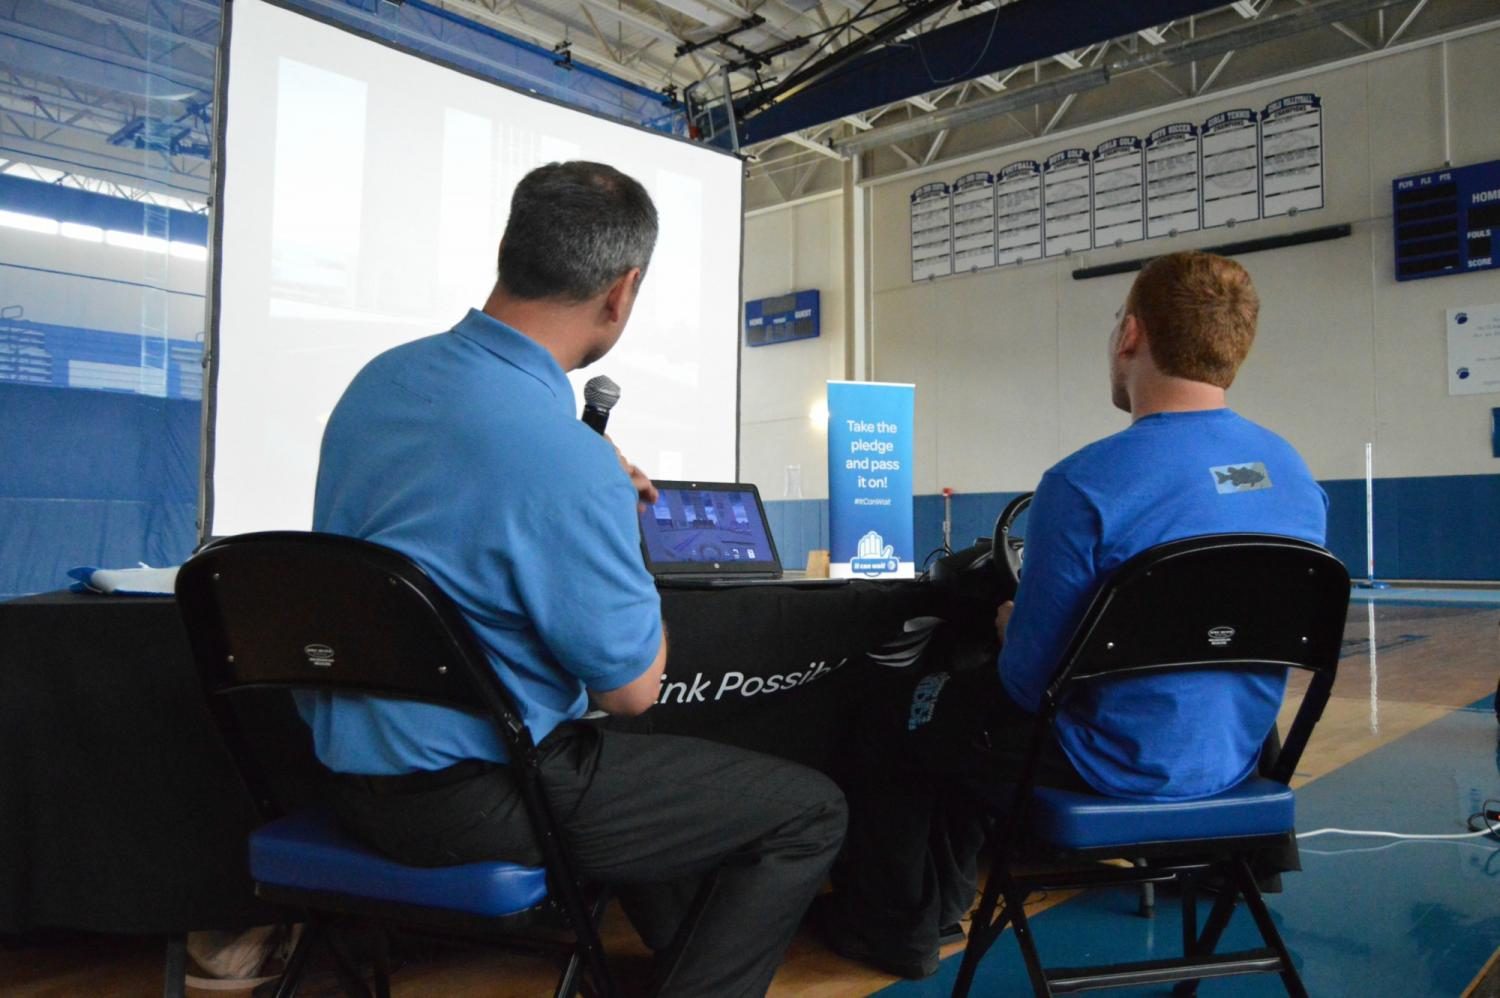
{"points": [[322, 612], [1230, 602]]}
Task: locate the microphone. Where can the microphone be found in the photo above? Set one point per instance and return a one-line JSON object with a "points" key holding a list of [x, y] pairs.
{"points": [[599, 396]]}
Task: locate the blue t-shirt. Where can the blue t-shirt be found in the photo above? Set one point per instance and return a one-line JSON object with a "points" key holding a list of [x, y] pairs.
{"points": [[463, 451], [1169, 476]]}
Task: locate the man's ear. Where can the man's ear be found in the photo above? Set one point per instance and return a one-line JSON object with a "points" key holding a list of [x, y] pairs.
{"points": [[1132, 336], [621, 295]]}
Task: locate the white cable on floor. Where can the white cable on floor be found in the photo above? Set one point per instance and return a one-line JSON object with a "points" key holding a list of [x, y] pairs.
{"points": [[1389, 835], [1491, 849]]}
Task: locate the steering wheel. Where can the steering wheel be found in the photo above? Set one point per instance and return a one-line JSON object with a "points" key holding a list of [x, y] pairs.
{"points": [[1008, 551]]}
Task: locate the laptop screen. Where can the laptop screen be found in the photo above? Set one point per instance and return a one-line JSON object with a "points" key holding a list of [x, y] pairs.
{"points": [[707, 528]]}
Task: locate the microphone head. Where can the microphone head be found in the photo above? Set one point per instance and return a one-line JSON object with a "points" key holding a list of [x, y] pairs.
{"points": [[601, 393]]}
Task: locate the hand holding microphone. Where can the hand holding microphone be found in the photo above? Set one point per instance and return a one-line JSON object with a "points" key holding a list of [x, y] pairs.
{"points": [[599, 397]]}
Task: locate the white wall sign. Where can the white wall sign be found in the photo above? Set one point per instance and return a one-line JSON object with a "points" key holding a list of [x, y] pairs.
{"points": [[1118, 192], [1231, 168], [1291, 162], [1066, 202], [973, 222], [1240, 166], [1018, 212], [1172, 180], [931, 232], [1474, 350]]}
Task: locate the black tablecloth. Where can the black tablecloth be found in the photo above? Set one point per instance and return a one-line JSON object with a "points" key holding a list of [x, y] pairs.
{"points": [[119, 808]]}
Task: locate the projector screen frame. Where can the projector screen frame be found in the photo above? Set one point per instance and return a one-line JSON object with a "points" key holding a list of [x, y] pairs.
{"points": [[222, 69]]}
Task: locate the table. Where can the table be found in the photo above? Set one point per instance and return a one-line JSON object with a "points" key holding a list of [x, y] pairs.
{"points": [[119, 808]]}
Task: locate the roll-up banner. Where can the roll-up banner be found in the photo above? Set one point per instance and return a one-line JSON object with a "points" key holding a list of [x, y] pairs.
{"points": [[869, 480]]}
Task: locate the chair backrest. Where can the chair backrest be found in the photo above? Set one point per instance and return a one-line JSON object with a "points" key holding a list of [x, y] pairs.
{"points": [[323, 612], [1234, 602]]}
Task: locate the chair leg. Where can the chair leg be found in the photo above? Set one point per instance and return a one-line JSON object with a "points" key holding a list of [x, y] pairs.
{"points": [[174, 971], [344, 967], [1015, 902], [982, 933], [1189, 914], [1148, 895], [1218, 921], [291, 976], [572, 974], [381, 957], [1268, 932]]}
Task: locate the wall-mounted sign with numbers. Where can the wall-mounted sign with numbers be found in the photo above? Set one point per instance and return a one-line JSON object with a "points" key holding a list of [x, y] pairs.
{"points": [[1018, 212], [1231, 168], [973, 222], [1239, 166], [1172, 180], [1119, 192], [1291, 159], [1066, 202], [931, 232]]}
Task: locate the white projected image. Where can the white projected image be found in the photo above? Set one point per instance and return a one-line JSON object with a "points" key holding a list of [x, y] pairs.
{"points": [[365, 194]]}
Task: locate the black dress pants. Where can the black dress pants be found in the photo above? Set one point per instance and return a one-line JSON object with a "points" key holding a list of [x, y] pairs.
{"points": [[649, 815], [914, 831]]}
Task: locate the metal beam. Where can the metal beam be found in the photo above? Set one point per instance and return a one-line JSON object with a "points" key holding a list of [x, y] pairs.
{"points": [[1023, 32], [638, 21], [908, 157], [1214, 74], [936, 147], [1062, 109], [817, 147], [702, 13], [1263, 29], [549, 37], [594, 26], [1063, 88], [1401, 29]]}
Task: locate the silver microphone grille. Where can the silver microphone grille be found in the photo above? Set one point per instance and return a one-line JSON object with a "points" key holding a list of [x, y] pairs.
{"points": [[601, 393]]}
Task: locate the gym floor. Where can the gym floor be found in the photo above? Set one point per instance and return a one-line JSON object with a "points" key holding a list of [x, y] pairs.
{"points": [[1408, 744]]}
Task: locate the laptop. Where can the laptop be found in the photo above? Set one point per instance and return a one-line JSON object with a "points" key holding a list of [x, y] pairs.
{"points": [[701, 534]]}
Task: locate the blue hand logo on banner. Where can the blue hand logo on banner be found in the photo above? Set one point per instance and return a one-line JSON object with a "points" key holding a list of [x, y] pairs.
{"points": [[874, 556]]}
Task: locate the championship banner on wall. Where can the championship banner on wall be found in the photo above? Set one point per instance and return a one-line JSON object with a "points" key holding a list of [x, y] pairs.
{"points": [[869, 480]]}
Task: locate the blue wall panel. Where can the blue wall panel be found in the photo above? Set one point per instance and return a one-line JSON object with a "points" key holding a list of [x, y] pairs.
{"points": [[1438, 527], [93, 478], [1445, 527], [68, 204]]}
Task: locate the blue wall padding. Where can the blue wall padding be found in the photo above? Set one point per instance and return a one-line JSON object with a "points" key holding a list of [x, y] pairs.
{"points": [[93, 478], [798, 526], [1440, 527], [67, 204]]}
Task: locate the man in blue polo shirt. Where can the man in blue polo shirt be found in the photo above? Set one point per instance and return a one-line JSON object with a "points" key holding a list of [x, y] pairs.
{"points": [[1186, 466], [464, 452]]}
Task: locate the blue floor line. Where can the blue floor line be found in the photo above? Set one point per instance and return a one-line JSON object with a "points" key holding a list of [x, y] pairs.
{"points": [[1366, 917], [1429, 597]]}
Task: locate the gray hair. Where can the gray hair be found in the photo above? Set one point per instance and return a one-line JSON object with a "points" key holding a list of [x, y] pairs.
{"points": [[574, 229]]}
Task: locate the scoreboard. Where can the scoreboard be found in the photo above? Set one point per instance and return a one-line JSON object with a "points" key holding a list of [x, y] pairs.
{"points": [[1446, 221], [781, 319]]}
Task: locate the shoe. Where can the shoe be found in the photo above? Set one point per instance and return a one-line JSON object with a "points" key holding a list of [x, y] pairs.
{"points": [[846, 940], [951, 933]]}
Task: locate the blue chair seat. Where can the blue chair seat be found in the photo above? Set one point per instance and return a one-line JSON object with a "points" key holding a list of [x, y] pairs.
{"points": [[1071, 820], [309, 851]]}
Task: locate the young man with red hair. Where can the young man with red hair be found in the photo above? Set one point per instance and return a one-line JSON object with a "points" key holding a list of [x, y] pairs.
{"points": [[1186, 466]]}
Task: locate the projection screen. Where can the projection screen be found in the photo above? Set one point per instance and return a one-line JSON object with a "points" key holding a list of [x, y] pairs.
{"points": [[364, 193]]}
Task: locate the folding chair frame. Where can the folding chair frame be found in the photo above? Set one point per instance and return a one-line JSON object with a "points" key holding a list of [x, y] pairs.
{"points": [[1096, 652], [443, 664]]}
